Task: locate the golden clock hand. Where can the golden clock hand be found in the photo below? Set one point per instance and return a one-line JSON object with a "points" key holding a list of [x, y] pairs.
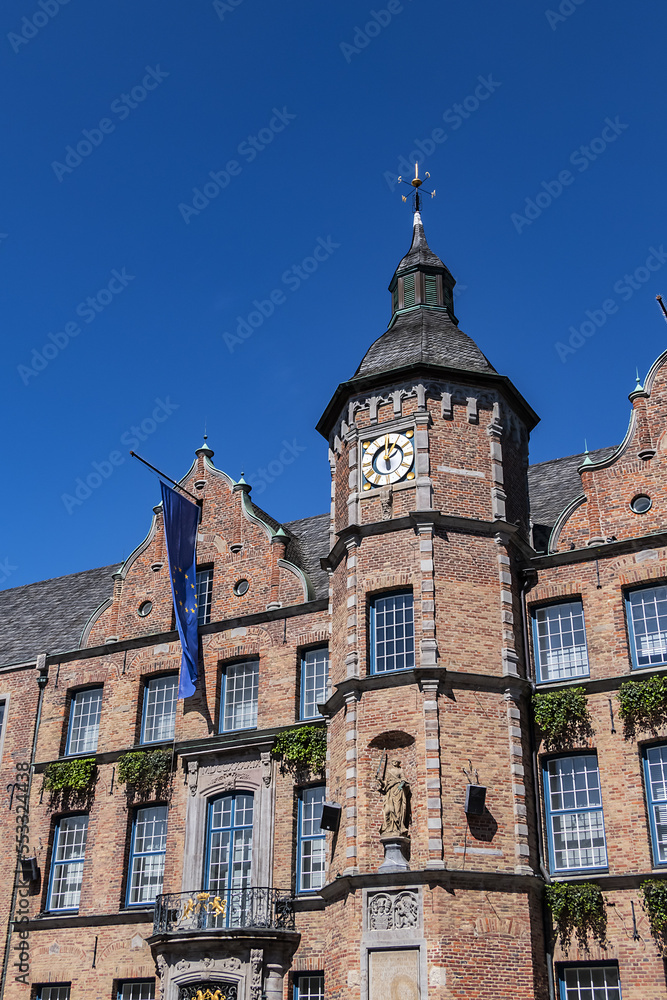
{"points": [[386, 448]]}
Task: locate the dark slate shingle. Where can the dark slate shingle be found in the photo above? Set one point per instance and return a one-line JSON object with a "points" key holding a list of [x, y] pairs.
{"points": [[423, 335], [49, 616], [309, 542]]}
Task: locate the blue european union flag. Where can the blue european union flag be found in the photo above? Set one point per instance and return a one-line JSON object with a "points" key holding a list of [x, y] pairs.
{"points": [[181, 519]]}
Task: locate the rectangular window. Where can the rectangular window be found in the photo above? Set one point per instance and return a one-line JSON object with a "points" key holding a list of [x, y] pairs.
{"points": [[204, 595], [655, 772], [52, 992], [312, 842], [408, 291], [590, 982], [137, 989], [239, 696], [159, 716], [559, 639], [309, 986], [647, 626], [149, 843], [314, 677], [84, 721], [69, 848], [574, 813], [392, 638], [2, 715]]}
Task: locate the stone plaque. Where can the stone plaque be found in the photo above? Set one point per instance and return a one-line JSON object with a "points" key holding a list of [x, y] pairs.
{"points": [[393, 975]]}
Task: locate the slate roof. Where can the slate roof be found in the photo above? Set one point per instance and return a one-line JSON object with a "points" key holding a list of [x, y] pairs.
{"points": [[49, 617], [423, 335], [419, 252], [552, 486], [310, 543]]}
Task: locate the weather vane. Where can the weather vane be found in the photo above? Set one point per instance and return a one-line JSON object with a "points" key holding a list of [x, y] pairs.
{"points": [[416, 183]]}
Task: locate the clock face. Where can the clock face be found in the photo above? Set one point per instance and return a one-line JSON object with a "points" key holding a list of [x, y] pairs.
{"points": [[388, 459]]}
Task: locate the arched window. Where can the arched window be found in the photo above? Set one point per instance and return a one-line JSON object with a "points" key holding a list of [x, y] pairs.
{"points": [[229, 856]]}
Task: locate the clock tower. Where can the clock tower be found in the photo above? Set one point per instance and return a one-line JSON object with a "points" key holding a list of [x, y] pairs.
{"points": [[428, 447]]}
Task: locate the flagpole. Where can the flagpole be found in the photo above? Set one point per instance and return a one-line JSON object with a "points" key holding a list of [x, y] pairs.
{"points": [[173, 481]]}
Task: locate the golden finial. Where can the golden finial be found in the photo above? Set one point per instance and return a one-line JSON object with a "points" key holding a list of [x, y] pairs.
{"points": [[416, 183]]}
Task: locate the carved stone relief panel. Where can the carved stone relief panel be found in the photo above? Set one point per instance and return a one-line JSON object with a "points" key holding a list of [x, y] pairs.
{"points": [[389, 911]]}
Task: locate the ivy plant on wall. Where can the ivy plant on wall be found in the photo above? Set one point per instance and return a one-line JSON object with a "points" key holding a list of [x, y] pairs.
{"points": [[578, 907], [643, 706], [145, 771], [654, 893], [70, 779], [562, 717], [302, 748]]}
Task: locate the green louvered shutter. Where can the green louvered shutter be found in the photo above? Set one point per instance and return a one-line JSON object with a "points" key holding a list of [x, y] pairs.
{"points": [[431, 283], [408, 290]]}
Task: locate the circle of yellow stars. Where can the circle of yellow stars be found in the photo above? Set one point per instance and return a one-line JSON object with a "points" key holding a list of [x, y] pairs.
{"points": [[193, 609]]}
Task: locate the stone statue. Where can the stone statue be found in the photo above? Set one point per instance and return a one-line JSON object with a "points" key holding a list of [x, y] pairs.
{"points": [[396, 805]]}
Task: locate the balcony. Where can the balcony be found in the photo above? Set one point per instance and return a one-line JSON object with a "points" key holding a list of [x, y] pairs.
{"points": [[251, 909]]}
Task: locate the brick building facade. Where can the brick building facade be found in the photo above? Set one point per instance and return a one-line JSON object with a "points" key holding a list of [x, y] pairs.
{"points": [[413, 625]]}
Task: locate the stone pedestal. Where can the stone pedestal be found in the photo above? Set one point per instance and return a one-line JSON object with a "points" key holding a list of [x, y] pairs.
{"points": [[396, 850]]}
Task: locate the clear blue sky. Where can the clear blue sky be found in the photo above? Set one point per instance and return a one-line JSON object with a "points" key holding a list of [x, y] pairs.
{"points": [[201, 78]]}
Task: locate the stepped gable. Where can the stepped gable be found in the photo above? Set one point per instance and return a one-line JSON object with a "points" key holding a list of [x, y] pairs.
{"points": [[49, 616]]}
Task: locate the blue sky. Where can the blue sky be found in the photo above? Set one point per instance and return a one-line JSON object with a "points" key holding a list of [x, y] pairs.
{"points": [[136, 285]]}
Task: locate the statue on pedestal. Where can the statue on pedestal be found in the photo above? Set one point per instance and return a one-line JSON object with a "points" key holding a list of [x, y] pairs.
{"points": [[395, 791]]}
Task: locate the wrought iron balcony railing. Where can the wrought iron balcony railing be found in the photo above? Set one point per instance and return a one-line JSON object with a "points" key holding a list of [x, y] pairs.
{"points": [[254, 907]]}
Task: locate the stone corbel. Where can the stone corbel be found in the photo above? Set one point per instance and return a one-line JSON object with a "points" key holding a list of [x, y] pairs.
{"points": [[265, 759]]}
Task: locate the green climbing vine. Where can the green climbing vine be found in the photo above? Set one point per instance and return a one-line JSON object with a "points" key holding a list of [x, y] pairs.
{"points": [[145, 771], [562, 717], [654, 892], [643, 705], [67, 776], [302, 748], [578, 907]]}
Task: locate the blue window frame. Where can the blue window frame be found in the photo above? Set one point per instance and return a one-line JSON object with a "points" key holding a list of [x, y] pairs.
{"points": [[84, 721], [311, 856], [559, 641], [646, 611], [69, 849], [655, 776], [229, 856], [52, 992], [204, 595], [575, 822], [137, 989], [159, 710], [309, 986], [240, 685], [392, 633], [589, 982], [314, 677], [149, 843]]}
